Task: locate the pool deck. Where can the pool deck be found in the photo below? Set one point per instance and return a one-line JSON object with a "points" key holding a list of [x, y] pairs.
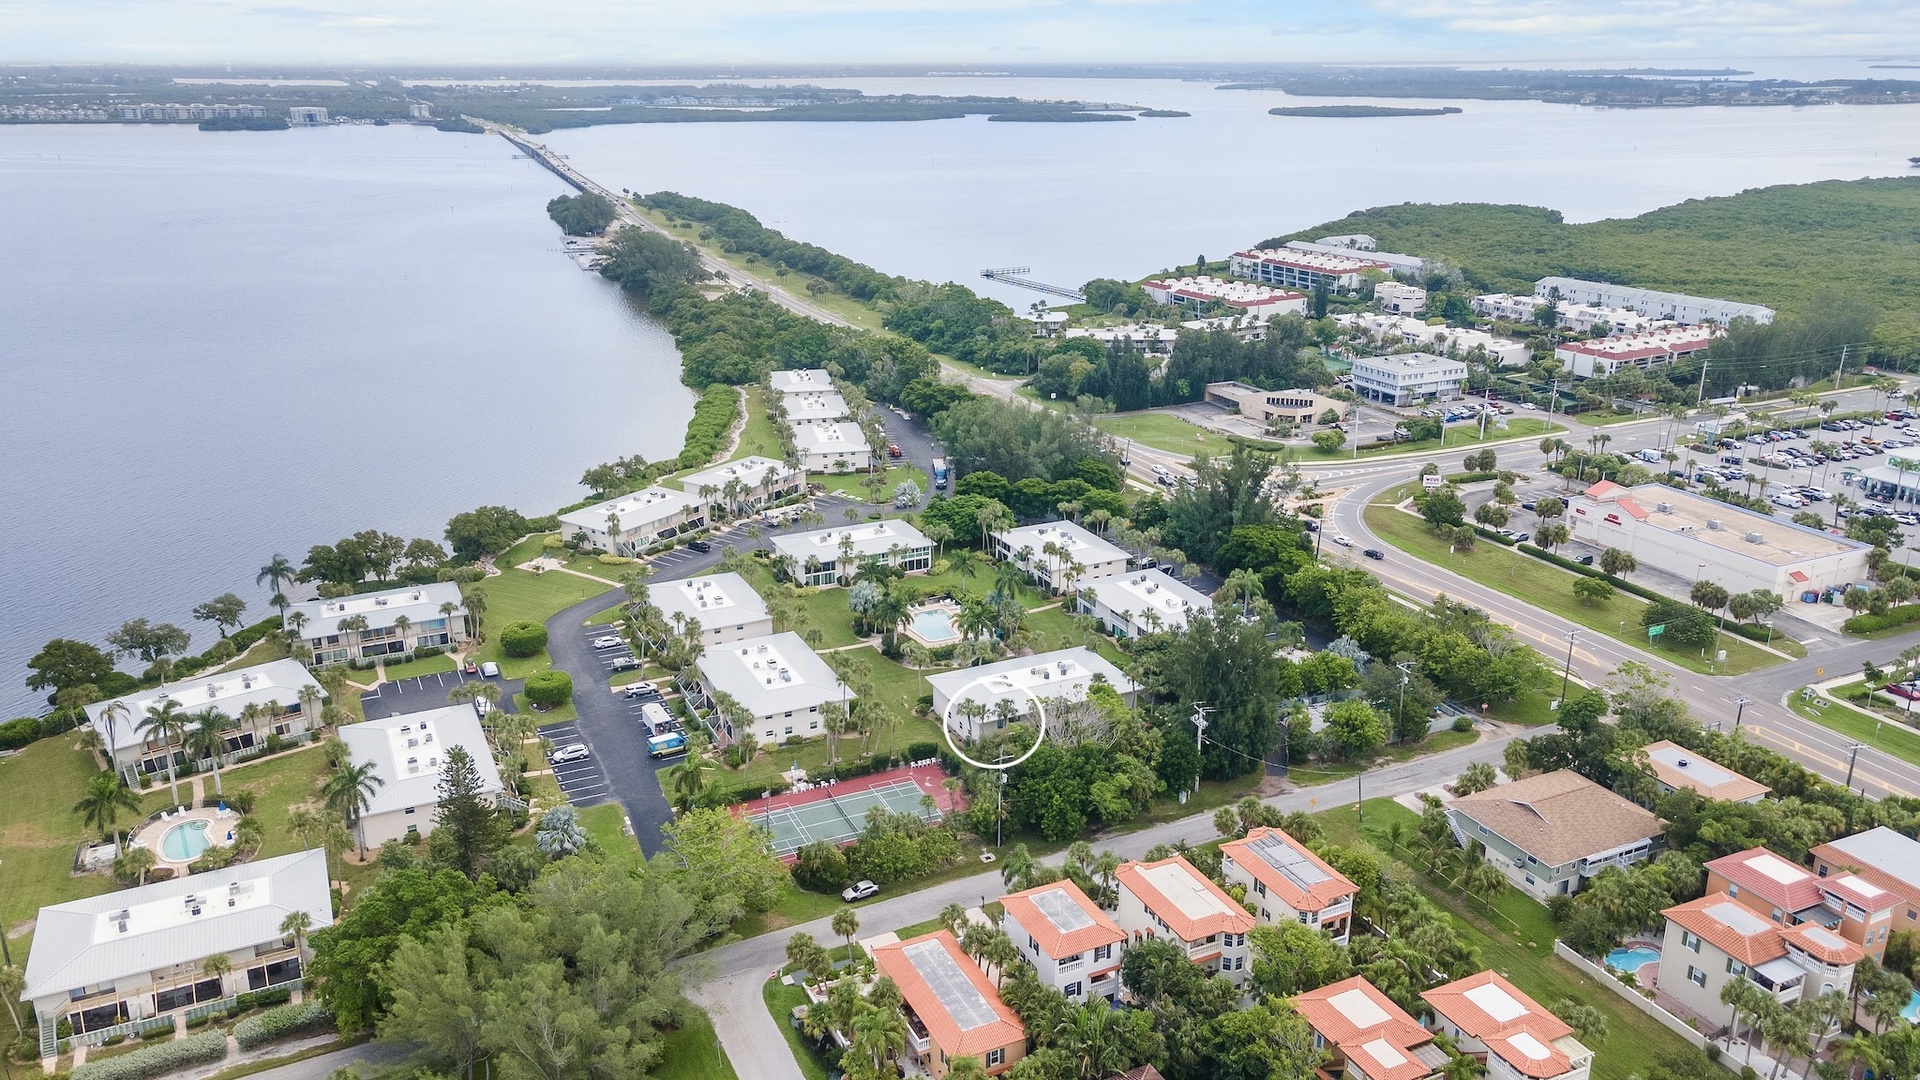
{"points": [[952, 611], [219, 832]]}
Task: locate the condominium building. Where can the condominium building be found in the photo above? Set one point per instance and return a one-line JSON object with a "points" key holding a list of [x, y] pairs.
{"points": [[1075, 946], [777, 681], [1672, 307], [1488, 1017], [987, 698], [396, 622], [1788, 895], [1882, 857], [800, 381], [1408, 378], [1552, 832], [630, 524], [1288, 883], [1059, 555], [1149, 338], [1293, 268], [833, 556], [1142, 602], [408, 755], [1367, 1036], [1169, 899], [815, 407], [952, 1009], [277, 698], [746, 484], [1267, 406], [307, 115], [1451, 341], [1365, 246], [130, 961], [1398, 299], [1580, 318], [1605, 356], [1259, 302], [1716, 940], [196, 111], [724, 605], [832, 447], [1675, 767]]}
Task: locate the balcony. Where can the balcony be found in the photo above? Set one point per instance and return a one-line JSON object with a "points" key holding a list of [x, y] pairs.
{"points": [[917, 1038]]}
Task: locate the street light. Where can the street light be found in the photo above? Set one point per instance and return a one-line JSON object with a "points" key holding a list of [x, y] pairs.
{"points": [[1739, 707], [1399, 715], [1852, 753], [1566, 676]]}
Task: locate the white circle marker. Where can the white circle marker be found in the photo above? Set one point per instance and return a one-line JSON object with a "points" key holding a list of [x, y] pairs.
{"points": [[946, 726]]}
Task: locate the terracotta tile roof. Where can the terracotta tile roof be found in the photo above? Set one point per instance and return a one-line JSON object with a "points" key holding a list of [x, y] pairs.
{"points": [[1301, 879], [1188, 901], [1086, 926], [1515, 1028], [1855, 889], [1769, 877], [1602, 489], [1677, 767], [1368, 1027], [1144, 1072], [1558, 817], [956, 1001], [1720, 921], [1882, 856], [1823, 944]]}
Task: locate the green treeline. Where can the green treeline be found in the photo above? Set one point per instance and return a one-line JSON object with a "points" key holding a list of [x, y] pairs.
{"points": [[586, 214], [245, 123], [1357, 110], [740, 232], [536, 120]]}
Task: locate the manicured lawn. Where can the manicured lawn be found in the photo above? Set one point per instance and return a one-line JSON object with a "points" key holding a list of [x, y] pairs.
{"points": [[1054, 629], [606, 823], [1164, 431], [563, 713], [1515, 937], [517, 595], [39, 831], [693, 1052], [781, 1001], [1457, 435], [757, 438], [432, 665], [1889, 735], [1550, 588], [855, 484]]}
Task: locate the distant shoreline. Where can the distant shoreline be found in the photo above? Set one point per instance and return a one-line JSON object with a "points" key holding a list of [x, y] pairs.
{"points": [[1359, 110]]}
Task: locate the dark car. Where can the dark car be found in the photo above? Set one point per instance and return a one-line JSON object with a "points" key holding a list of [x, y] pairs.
{"points": [[1374, 553], [1586, 560], [700, 545], [1529, 506]]}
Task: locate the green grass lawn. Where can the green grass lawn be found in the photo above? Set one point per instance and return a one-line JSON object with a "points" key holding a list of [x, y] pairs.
{"points": [[1550, 588], [432, 665], [1515, 937], [1164, 431], [781, 1000], [1321, 772], [606, 823], [563, 713], [1890, 735], [757, 438], [39, 831], [855, 484], [517, 595], [693, 1052], [1457, 435]]}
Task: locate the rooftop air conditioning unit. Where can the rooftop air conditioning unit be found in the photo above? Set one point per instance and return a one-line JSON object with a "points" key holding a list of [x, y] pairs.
{"points": [[1665, 508], [1754, 538], [379, 601], [1716, 524]]}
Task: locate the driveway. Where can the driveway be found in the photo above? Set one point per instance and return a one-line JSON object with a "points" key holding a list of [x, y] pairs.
{"points": [[582, 782], [424, 692], [917, 445]]}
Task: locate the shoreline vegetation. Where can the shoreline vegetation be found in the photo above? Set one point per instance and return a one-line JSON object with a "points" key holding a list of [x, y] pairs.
{"points": [[1616, 89], [1348, 111]]}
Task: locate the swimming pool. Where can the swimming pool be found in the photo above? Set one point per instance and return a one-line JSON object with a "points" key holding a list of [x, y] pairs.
{"points": [[934, 625], [185, 841], [1912, 1012], [1632, 960]]}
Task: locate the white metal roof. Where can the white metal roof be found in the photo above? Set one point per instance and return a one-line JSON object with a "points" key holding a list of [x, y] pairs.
{"points": [[1135, 594], [830, 439], [278, 682], [801, 380], [869, 538], [182, 921], [419, 603], [409, 754], [636, 510], [1081, 545], [816, 405], [713, 599], [771, 675], [752, 472], [1065, 673]]}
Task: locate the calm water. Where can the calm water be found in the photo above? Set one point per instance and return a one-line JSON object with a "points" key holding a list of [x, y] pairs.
{"points": [[941, 200], [219, 346]]}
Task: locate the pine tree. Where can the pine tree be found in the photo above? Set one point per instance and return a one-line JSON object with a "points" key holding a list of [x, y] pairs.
{"points": [[467, 828]]}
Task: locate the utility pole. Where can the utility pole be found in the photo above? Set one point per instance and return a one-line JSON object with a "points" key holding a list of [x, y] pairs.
{"points": [[1739, 707], [1199, 736], [1566, 676], [1853, 752], [1360, 797], [1842, 370], [1399, 715], [1702, 395]]}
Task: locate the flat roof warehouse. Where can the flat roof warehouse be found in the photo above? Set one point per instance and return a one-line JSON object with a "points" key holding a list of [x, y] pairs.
{"points": [[1722, 525]]}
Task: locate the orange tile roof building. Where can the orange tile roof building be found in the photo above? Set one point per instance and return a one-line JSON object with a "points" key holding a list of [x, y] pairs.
{"points": [[1788, 895], [1367, 1035], [1883, 857], [1287, 883], [1675, 767], [951, 1006], [1714, 940], [1170, 899], [1075, 946], [1490, 1018]]}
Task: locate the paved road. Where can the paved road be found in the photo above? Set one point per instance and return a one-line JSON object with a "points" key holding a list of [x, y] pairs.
{"points": [[423, 692]]}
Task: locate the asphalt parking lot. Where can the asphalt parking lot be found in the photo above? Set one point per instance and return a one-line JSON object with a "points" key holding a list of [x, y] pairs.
{"points": [[582, 782], [424, 692]]}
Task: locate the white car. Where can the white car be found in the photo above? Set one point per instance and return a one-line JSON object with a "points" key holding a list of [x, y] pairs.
{"points": [[489, 670], [1791, 502], [1343, 540], [1528, 405], [1161, 470], [570, 752], [609, 641], [859, 890]]}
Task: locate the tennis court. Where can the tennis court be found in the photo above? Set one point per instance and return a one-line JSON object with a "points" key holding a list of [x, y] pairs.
{"points": [[838, 813]]}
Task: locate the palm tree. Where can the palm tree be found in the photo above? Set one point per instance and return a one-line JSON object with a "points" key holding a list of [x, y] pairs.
{"points": [[966, 1068], [353, 624], [111, 716], [218, 966], [1091, 1035], [135, 864], [295, 926], [348, 793], [12, 981], [277, 571], [103, 800], [402, 624], [208, 739], [687, 783], [878, 1034], [846, 923], [166, 723]]}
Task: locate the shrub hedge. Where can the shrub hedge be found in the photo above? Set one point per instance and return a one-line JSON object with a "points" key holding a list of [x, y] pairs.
{"points": [[549, 688], [1867, 623], [280, 1023], [523, 639], [160, 1058]]}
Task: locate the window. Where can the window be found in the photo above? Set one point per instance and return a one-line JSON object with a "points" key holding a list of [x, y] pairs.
{"points": [[996, 1057], [1103, 952], [411, 809], [1032, 945], [789, 730], [1260, 887], [1696, 976], [1689, 940], [1776, 914], [1266, 915], [1074, 990], [1735, 967], [1732, 889], [413, 827]]}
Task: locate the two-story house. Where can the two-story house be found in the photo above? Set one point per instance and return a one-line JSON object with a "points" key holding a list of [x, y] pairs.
{"points": [[1550, 833], [1488, 1017], [280, 697], [1075, 946], [1889, 860], [1789, 895], [1172, 900], [725, 606], [1057, 555], [1366, 1036], [1287, 883], [1716, 939], [952, 1009], [1675, 767]]}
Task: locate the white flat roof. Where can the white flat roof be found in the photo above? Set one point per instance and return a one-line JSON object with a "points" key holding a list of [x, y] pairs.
{"points": [[800, 380], [1493, 999], [714, 599], [278, 683], [816, 405], [409, 753], [1065, 673], [772, 674], [869, 538], [1081, 546], [1777, 869], [635, 511], [842, 438], [1183, 889], [1360, 1010], [419, 603], [1413, 361], [750, 471], [1137, 593]]}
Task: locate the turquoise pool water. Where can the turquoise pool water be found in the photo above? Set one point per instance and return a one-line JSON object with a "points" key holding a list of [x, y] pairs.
{"points": [[1912, 1011], [185, 841], [935, 625], [1631, 960]]}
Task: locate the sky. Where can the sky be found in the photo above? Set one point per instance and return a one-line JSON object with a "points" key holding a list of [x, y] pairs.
{"points": [[975, 32]]}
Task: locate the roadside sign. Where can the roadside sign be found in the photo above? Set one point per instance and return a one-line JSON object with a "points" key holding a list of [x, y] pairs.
{"points": [[1431, 481], [1656, 631]]}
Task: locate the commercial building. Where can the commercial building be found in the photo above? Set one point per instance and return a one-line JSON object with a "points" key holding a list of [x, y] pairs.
{"points": [[1059, 555], [1716, 940], [976, 694], [1450, 341], [1550, 833], [306, 116], [1142, 602], [746, 484], [1267, 406], [1399, 299], [1292, 268], [815, 407], [409, 755], [1287, 883], [1890, 480], [725, 606], [1646, 349], [630, 524], [1075, 946], [284, 696], [1408, 378], [832, 447], [419, 110], [816, 557], [1488, 1017], [129, 961], [1654, 304], [1702, 539], [778, 682], [196, 111], [1675, 767], [1360, 242], [398, 622], [1260, 302], [1147, 337], [1367, 1036], [952, 1008], [1171, 900], [1788, 895], [1883, 857], [800, 381]]}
